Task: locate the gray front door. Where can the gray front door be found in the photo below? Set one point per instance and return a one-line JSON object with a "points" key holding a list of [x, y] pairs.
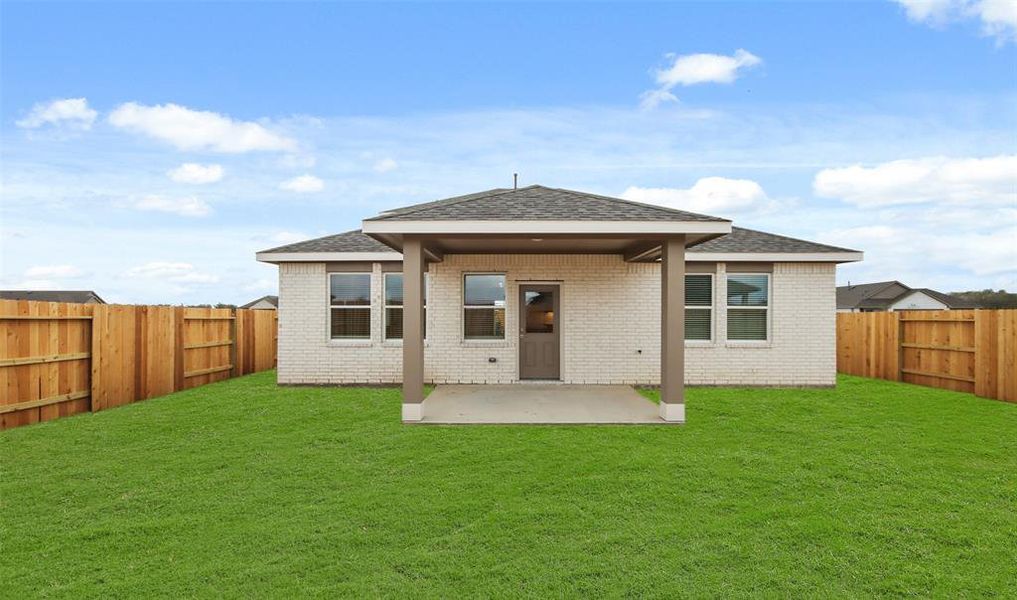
{"points": [[539, 335]]}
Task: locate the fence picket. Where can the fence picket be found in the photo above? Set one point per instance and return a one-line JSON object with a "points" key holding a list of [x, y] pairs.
{"points": [[963, 350], [60, 359]]}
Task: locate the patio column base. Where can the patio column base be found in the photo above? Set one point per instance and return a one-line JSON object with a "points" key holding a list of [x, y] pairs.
{"points": [[413, 412], [672, 413]]}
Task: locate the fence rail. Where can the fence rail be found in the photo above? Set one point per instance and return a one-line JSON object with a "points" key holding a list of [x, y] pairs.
{"points": [[964, 350], [60, 359]]}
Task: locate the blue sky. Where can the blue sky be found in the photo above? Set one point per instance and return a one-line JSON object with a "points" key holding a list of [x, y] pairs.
{"points": [[887, 127]]}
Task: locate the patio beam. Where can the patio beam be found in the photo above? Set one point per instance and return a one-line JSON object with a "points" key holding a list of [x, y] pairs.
{"points": [[642, 251], [413, 328], [672, 329]]}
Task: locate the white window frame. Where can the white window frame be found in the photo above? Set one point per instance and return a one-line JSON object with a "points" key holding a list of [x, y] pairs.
{"points": [[385, 306], [465, 307], [712, 308], [769, 304], [369, 307]]}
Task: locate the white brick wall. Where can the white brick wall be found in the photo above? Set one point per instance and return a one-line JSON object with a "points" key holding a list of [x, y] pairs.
{"points": [[610, 326]]}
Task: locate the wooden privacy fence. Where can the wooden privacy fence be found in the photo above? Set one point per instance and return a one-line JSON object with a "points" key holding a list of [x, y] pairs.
{"points": [[60, 359], [964, 350]]}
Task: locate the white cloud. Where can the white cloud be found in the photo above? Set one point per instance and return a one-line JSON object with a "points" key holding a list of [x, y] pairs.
{"points": [[34, 284], [651, 99], [711, 195], [998, 17], [189, 129], [385, 165], [598, 149], [185, 207], [195, 173], [174, 272], [890, 251], [73, 113], [303, 184], [966, 181], [54, 272], [987, 253], [695, 69]]}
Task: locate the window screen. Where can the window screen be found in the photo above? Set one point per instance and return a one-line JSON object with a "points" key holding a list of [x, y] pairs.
{"points": [[350, 305], [394, 306], [484, 307], [698, 307], [748, 304]]}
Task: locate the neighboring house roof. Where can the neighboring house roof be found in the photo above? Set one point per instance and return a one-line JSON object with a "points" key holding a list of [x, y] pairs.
{"points": [[949, 300], [273, 300], [883, 294], [71, 296], [538, 203], [870, 295]]}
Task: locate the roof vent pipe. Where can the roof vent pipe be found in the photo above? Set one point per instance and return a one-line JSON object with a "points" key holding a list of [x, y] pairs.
{"points": [[515, 181]]}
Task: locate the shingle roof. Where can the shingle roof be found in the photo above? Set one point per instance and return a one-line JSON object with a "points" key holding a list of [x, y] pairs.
{"points": [[273, 300], [752, 241], [72, 296], [882, 294], [350, 241], [738, 241], [870, 295], [538, 203], [949, 300]]}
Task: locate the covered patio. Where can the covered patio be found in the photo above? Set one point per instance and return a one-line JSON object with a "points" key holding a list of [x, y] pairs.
{"points": [[539, 404], [543, 221]]}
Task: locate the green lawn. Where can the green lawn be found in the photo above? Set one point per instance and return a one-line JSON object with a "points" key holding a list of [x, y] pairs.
{"points": [[245, 489]]}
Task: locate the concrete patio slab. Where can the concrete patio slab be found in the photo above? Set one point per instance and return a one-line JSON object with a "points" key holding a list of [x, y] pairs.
{"points": [[538, 404]]}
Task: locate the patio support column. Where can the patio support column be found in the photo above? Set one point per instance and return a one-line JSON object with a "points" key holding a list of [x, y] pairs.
{"points": [[413, 329], [672, 329]]}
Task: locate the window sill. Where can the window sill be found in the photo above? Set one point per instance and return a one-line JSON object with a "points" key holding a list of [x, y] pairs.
{"points": [[350, 343], [699, 343], [484, 344], [748, 344]]}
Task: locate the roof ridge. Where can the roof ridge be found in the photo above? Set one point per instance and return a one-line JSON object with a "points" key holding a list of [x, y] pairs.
{"points": [[450, 201], [664, 209]]}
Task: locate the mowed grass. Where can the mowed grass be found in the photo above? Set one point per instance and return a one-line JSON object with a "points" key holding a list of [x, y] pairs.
{"points": [[245, 489]]}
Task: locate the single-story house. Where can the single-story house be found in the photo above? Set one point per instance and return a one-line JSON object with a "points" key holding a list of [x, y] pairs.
{"points": [[263, 303], [894, 295], [71, 296], [538, 283]]}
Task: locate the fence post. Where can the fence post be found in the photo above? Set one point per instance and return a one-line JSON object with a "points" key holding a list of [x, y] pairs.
{"points": [[95, 379], [178, 348], [900, 345], [234, 355]]}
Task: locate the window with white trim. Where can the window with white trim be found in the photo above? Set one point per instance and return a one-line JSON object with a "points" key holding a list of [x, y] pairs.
{"points": [[394, 306], [699, 307], [483, 306], [748, 307], [349, 306]]}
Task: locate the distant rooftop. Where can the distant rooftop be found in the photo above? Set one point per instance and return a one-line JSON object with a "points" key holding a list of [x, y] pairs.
{"points": [[72, 296], [882, 294]]}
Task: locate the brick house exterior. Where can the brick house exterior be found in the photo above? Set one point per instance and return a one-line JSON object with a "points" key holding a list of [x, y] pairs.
{"points": [[608, 322]]}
